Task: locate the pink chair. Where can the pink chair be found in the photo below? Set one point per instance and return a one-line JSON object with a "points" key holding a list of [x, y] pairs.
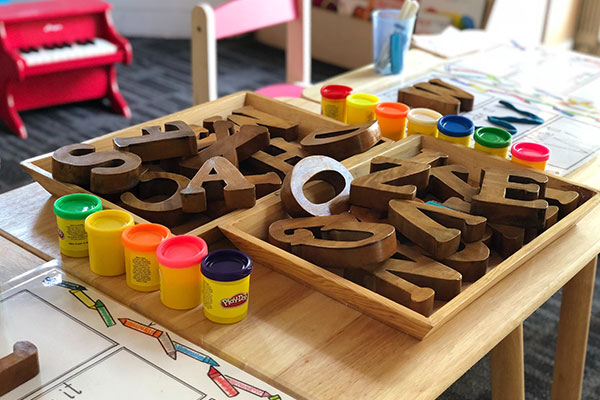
{"points": [[241, 16]]}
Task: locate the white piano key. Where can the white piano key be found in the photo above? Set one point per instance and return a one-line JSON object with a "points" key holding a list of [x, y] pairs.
{"points": [[99, 47]]}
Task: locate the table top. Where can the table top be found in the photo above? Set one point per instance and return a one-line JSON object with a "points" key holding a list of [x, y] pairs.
{"points": [[294, 334]]}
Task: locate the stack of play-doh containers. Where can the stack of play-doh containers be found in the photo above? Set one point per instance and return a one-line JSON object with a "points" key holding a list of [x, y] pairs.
{"points": [[392, 119], [104, 230], [455, 129], [180, 279], [491, 140], [530, 154], [141, 265], [333, 101], [71, 211], [422, 121]]}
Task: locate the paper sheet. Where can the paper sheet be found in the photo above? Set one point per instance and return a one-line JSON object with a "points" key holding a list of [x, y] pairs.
{"points": [[91, 347], [561, 87]]}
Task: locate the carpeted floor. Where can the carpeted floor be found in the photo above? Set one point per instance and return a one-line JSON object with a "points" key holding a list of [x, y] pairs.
{"points": [[158, 83]]}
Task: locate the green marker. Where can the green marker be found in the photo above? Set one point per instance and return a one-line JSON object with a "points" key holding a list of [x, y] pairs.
{"points": [[104, 314]]}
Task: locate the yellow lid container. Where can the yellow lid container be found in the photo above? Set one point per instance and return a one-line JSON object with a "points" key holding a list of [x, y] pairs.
{"points": [[360, 108], [226, 285], [104, 229], [180, 279], [141, 266], [422, 121]]}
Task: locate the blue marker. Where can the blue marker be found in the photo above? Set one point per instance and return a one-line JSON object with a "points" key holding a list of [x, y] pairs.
{"points": [[194, 354], [57, 281]]}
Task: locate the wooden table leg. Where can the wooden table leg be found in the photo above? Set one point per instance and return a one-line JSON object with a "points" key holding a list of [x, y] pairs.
{"points": [[507, 367], [573, 328]]}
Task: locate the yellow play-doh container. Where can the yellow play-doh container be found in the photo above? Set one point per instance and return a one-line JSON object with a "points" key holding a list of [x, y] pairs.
{"points": [[455, 129], [141, 265], [533, 155], [226, 285], [333, 101], [71, 211], [422, 121], [492, 140], [104, 230], [360, 108], [392, 119], [180, 278]]}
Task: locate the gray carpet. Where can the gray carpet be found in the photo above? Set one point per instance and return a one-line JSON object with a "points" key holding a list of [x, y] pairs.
{"points": [[158, 83]]}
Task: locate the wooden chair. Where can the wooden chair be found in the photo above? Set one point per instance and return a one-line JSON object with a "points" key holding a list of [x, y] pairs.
{"points": [[241, 16]]}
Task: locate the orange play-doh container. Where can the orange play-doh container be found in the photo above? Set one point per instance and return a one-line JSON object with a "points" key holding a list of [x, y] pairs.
{"points": [[141, 265], [392, 119]]}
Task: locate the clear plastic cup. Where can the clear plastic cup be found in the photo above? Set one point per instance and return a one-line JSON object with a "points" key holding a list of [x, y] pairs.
{"points": [[391, 40]]}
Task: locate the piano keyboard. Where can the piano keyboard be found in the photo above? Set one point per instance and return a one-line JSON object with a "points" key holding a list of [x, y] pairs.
{"points": [[65, 52]]}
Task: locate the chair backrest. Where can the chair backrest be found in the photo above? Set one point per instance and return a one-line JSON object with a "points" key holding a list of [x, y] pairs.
{"points": [[242, 16]]}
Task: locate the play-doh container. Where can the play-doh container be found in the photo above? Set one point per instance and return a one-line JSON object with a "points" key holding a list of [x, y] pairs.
{"points": [[333, 101], [455, 129], [104, 230], [422, 121], [141, 266], [226, 285], [71, 211], [179, 263], [492, 140], [531, 154], [360, 108], [392, 119]]}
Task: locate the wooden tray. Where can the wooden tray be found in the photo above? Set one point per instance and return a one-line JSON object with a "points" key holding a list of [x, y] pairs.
{"points": [[40, 167], [248, 231]]}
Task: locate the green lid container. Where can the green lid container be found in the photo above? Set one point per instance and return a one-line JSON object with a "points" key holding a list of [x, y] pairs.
{"points": [[495, 138], [77, 206]]}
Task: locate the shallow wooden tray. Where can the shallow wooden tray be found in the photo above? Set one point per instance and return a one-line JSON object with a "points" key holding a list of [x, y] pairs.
{"points": [[248, 231], [40, 167]]}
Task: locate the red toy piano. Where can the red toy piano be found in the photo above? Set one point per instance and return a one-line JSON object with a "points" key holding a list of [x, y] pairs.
{"points": [[55, 52]]}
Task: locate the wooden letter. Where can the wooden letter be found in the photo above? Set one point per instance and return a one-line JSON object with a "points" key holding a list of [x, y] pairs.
{"points": [[426, 156], [451, 181], [218, 179], [416, 97], [280, 157], [341, 143], [471, 260], [377, 189], [294, 199], [265, 183], [336, 241], [277, 127], [235, 147], [440, 87], [178, 140], [435, 229], [105, 172], [19, 366], [566, 200], [507, 239], [457, 204], [412, 264], [161, 186], [512, 197]]}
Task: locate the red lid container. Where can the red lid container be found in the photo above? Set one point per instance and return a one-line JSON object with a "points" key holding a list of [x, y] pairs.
{"points": [[181, 251], [528, 151], [336, 92]]}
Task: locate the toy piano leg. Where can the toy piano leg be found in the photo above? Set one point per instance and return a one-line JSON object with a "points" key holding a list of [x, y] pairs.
{"points": [[117, 102], [9, 114]]}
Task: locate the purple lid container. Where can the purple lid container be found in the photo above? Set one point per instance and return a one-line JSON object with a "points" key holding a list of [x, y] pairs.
{"points": [[226, 265]]}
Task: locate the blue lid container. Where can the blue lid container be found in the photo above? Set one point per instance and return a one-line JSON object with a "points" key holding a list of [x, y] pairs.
{"points": [[226, 265], [456, 126]]}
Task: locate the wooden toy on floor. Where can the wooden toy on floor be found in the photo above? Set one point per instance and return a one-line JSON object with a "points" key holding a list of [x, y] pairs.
{"points": [[177, 140], [105, 172], [19, 366]]}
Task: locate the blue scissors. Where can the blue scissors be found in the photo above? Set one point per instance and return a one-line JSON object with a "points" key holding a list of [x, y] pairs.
{"points": [[505, 122]]}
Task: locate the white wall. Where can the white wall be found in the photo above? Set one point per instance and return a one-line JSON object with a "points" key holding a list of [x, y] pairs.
{"points": [[155, 18]]}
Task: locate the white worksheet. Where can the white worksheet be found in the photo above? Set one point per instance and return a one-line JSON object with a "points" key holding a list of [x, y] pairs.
{"points": [[91, 347]]}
